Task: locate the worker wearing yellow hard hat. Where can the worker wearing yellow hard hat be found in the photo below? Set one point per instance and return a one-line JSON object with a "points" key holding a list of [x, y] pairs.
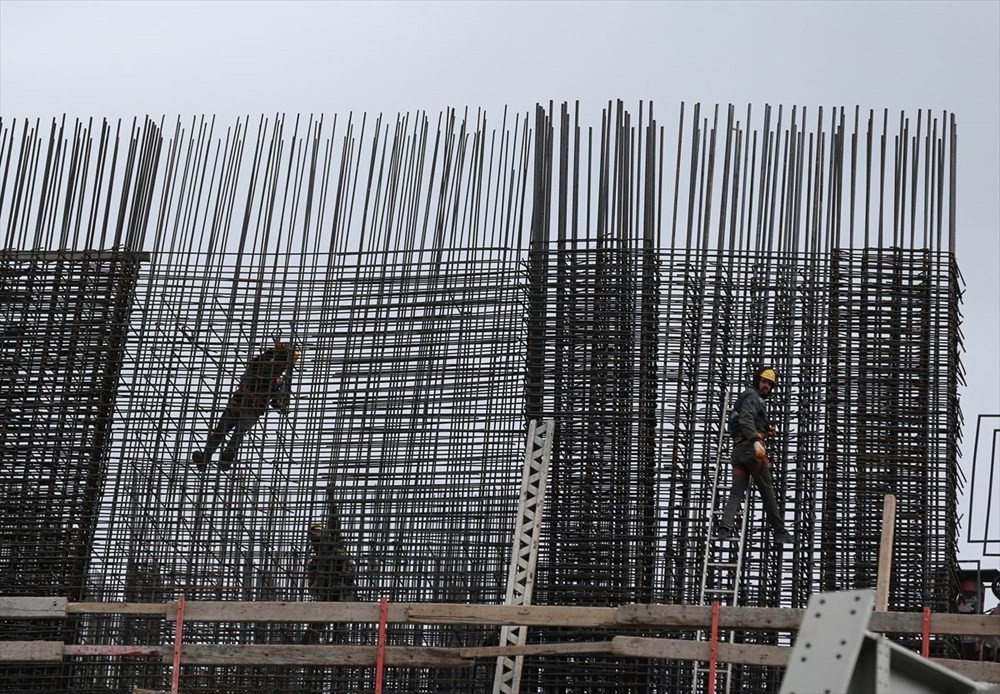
{"points": [[748, 427]]}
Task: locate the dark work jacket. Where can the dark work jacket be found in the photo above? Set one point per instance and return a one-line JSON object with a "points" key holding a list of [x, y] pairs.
{"points": [[259, 385], [254, 403], [748, 418], [330, 572], [264, 368]]}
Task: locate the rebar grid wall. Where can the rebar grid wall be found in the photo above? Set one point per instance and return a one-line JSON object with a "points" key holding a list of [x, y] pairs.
{"points": [[446, 287]]}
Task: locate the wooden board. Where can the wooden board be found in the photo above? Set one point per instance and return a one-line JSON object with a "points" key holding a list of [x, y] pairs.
{"points": [[147, 608], [973, 669], [47, 651], [32, 608], [536, 649], [754, 654], [788, 619], [646, 616], [941, 624], [678, 649], [700, 616], [512, 615], [406, 656], [359, 656], [232, 611]]}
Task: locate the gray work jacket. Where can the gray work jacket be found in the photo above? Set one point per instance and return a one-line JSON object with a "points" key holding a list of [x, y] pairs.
{"points": [[748, 419]]}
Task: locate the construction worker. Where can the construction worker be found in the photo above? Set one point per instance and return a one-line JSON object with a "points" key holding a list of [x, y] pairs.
{"points": [[266, 382], [748, 427], [330, 571], [330, 575]]}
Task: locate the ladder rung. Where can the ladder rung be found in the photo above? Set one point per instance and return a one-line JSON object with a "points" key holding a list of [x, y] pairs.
{"points": [[727, 564]]}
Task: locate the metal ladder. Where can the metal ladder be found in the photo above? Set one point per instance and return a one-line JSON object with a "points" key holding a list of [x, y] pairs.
{"points": [[722, 563], [524, 557]]}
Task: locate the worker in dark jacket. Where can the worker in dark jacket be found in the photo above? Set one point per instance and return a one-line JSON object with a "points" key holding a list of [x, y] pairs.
{"points": [[748, 427], [330, 575], [266, 382], [330, 572]]}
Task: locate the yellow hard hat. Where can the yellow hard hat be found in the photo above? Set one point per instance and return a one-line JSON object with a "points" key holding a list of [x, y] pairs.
{"points": [[769, 374]]}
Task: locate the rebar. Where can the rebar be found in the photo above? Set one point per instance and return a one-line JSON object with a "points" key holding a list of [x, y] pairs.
{"points": [[445, 288]]}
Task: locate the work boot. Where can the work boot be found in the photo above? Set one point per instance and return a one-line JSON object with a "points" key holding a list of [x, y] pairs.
{"points": [[200, 458], [727, 534], [228, 457], [784, 538]]}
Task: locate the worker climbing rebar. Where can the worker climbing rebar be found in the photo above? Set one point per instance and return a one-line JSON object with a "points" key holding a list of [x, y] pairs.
{"points": [[266, 382], [330, 572], [748, 426]]}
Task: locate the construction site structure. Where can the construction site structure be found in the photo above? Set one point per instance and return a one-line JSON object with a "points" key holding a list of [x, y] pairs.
{"points": [[447, 288], [832, 638]]}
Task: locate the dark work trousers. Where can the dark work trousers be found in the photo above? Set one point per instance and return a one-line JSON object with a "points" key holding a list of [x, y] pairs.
{"points": [[745, 466], [242, 412]]}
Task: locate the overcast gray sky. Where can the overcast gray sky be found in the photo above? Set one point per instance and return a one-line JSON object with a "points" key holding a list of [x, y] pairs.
{"points": [[111, 59]]}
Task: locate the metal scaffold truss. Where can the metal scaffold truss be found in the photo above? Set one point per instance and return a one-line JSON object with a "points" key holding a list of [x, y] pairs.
{"points": [[524, 555]]}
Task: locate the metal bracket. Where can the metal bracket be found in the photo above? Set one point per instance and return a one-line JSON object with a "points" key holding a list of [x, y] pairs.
{"points": [[836, 654]]}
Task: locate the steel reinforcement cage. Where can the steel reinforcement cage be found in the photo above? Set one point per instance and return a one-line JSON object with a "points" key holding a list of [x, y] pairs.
{"points": [[444, 291]]}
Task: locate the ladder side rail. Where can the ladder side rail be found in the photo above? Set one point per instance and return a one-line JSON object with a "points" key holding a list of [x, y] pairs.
{"points": [[710, 535], [725, 671], [741, 543]]}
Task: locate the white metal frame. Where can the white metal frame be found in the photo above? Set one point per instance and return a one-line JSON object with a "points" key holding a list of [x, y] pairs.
{"points": [[524, 556]]}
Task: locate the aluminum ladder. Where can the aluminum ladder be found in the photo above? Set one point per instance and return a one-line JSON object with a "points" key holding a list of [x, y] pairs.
{"points": [[722, 563]]}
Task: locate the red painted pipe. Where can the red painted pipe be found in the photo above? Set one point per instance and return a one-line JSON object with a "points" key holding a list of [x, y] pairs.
{"points": [[178, 634], [713, 647], [925, 646], [380, 652]]}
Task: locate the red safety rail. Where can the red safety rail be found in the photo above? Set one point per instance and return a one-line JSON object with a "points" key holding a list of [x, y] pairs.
{"points": [[380, 651], [713, 647], [178, 634], [925, 646]]}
